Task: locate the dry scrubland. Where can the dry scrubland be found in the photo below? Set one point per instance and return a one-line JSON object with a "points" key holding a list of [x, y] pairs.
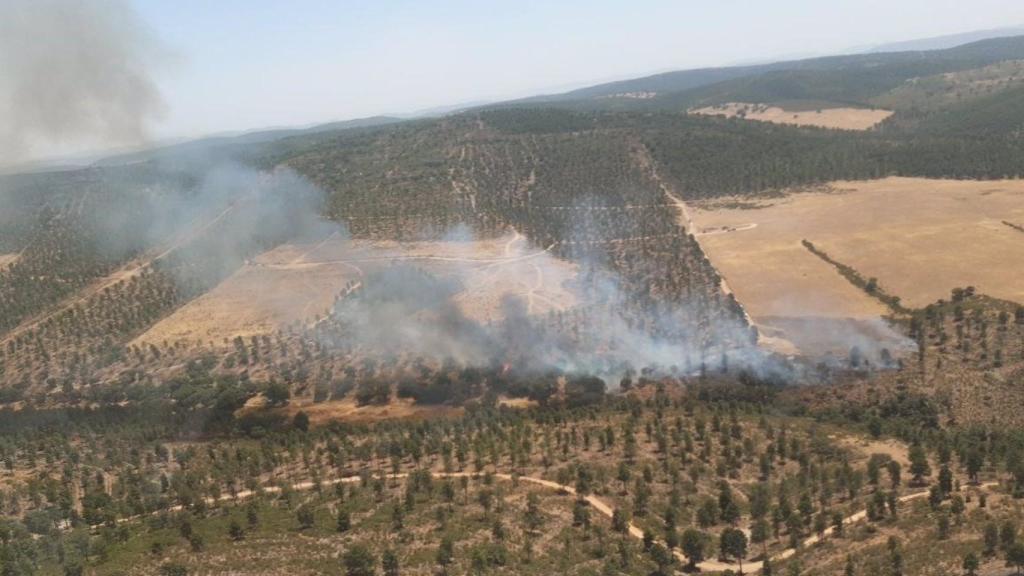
{"points": [[298, 283], [920, 238], [836, 118], [7, 259]]}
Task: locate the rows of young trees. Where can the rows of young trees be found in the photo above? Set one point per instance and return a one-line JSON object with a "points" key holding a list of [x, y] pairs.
{"points": [[587, 186], [687, 472]]}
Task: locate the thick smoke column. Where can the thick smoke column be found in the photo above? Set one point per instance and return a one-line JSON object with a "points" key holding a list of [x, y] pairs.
{"points": [[73, 71]]}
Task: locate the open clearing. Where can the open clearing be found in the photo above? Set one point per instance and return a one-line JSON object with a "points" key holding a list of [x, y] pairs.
{"points": [[347, 410], [920, 238], [7, 259], [836, 118], [299, 282]]}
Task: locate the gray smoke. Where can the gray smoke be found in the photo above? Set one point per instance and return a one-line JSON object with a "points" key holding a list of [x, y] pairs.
{"points": [[229, 214], [73, 71], [404, 310]]}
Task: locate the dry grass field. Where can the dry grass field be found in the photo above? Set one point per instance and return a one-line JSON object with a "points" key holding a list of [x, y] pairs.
{"points": [[835, 118], [298, 283], [7, 259], [920, 238], [347, 410]]}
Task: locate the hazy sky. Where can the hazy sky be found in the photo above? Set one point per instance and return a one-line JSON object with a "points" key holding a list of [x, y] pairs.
{"points": [[243, 64]]}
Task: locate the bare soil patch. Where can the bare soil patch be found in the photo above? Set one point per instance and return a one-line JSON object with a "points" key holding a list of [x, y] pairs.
{"points": [[347, 410], [835, 118], [299, 282], [7, 259], [867, 447], [517, 403], [920, 238]]}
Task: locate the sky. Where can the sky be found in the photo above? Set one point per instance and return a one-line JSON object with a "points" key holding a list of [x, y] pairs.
{"points": [[231, 65]]}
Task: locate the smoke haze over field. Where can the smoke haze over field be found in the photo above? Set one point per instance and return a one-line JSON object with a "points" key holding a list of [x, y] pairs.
{"points": [[404, 309], [73, 72]]}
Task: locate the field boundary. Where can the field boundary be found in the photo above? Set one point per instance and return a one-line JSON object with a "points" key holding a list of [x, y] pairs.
{"points": [[870, 286]]}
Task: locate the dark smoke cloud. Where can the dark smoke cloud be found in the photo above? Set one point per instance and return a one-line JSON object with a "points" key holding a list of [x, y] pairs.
{"points": [[73, 71]]}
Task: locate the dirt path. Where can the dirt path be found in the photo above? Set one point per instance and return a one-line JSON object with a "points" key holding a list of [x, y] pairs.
{"points": [[531, 290], [729, 230], [600, 505], [686, 221], [302, 257], [124, 272], [193, 233], [83, 200], [686, 218], [96, 287], [508, 245]]}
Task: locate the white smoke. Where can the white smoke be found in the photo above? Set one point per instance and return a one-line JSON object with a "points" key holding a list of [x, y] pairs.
{"points": [[73, 71], [402, 309]]}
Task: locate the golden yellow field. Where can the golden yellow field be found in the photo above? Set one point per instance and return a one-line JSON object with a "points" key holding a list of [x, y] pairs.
{"points": [[920, 238], [836, 118], [298, 283]]}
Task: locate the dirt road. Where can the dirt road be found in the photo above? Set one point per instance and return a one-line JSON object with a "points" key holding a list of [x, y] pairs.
{"points": [[596, 503], [686, 221]]}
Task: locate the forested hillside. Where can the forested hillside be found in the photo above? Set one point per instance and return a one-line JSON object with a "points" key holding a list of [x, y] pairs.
{"points": [[852, 78], [494, 342], [592, 187]]}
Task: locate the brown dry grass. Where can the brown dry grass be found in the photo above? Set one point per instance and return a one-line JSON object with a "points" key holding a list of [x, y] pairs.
{"points": [[517, 403], [836, 118], [919, 237], [268, 293], [347, 410], [7, 259], [298, 283], [866, 447]]}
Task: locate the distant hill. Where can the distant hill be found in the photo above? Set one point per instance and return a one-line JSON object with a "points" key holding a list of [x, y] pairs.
{"points": [[845, 79], [214, 144], [948, 40]]}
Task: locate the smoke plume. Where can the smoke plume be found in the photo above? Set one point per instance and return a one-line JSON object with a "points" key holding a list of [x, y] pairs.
{"points": [[73, 71], [402, 309]]}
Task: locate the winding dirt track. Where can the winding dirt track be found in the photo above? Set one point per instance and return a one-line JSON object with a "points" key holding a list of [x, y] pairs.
{"points": [[596, 503]]}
